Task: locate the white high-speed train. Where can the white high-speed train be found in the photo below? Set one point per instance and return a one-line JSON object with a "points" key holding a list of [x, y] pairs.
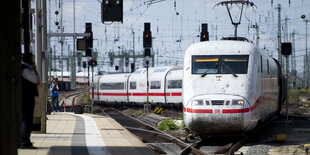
{"points": [[229, 87], [165, 87], [226, 87]]}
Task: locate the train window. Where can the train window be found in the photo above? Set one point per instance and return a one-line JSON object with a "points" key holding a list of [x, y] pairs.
{"points": [[205, 64], [267, 66], [133, 85], [237, 64], [112, 86], [155, 84], [174, 84]]}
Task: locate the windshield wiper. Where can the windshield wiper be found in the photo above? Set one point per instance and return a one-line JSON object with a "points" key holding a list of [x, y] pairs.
{"points": [[206, 72], [232, 72]]}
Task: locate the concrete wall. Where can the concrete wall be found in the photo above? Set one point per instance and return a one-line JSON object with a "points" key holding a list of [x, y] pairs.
{"points": [[39, 116]]}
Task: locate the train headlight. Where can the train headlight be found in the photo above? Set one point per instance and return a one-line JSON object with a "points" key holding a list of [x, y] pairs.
{"points": [[197, 102], [237, 102]]}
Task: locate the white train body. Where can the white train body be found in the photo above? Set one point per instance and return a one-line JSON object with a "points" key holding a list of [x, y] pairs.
{"points": [[228, 87], [225, 87], [165, 87]]}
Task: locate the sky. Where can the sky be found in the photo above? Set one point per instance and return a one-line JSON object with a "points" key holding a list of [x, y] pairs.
{"points": [[175, 25]]}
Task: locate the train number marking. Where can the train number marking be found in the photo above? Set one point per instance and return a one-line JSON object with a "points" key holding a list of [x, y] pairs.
{"points": [[217, 111]]}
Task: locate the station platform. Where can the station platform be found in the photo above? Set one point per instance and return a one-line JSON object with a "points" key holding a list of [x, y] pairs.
{"points": [[69, 133]]}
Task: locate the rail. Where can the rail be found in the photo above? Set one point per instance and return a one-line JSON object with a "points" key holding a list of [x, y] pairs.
{"points": [[175, 140]]}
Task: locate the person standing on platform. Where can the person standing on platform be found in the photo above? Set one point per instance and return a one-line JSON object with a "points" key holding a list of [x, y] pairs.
{"points": [[54, 95], [30, 80]]}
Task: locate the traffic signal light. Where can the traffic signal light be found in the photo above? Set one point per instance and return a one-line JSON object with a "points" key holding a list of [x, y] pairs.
{"points": [[147, 36], [89, 39], [286, 48], [92, 63], [132, 66], [84, 64], [204, 35]]}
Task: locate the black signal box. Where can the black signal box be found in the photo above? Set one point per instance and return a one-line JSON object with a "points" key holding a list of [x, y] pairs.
{"points": [[286, 48], [112, 11], [81, 44], [147, 36], [204, 35], [147, 52]]}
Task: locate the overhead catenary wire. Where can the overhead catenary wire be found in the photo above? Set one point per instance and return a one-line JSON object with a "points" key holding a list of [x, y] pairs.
{"points": [[189, 25]]}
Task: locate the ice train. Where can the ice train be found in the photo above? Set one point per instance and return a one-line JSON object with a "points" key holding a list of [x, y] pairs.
{"points": [[165, 87], [225, 87], [229, 87]]}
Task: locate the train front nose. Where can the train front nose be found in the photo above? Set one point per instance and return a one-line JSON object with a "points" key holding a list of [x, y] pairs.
{"points": [[217, 116]]}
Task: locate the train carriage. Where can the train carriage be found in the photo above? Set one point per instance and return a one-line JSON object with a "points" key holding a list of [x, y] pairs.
{"points": [[137, 87], [113, 88], [174, 87], [158, 87], [157, 82], [131, 88], [228, 87], [96, 88]]}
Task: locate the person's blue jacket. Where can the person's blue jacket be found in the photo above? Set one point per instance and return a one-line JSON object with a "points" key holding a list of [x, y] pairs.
{"points": [[54, 91]]}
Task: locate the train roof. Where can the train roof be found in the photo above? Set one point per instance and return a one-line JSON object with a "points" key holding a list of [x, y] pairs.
{"points": [[113, 77], [154, 72], [160, 69], [221, 47]]}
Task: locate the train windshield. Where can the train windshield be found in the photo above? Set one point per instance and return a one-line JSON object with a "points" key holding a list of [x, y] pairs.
{"points": [[236, 64], [219, 64]]}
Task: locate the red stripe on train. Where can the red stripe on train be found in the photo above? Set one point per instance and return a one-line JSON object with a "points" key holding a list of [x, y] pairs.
{"points": [[176, 94], [139, 94], [199, 110], [225, 111], [113, 94]]}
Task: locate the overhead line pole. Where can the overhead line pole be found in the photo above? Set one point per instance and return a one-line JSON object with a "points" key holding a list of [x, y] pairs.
{"points": [[133, 49], [306, 57], [61, 40], [73, 70], [279, 35]]}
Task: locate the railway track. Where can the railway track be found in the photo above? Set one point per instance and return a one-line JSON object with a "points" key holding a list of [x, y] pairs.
{"points": [[162, 143], [154, 138], [150, 135]]}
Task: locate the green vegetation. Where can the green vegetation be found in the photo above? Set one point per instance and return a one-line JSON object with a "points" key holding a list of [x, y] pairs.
{"points": [[138, 113], [303, 91], [168, 124], [182, 118], [293, 96], [295, 151], [183, 125]]}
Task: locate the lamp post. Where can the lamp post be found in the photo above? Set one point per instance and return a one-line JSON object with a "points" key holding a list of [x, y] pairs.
{"points": [[306, 64]]}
